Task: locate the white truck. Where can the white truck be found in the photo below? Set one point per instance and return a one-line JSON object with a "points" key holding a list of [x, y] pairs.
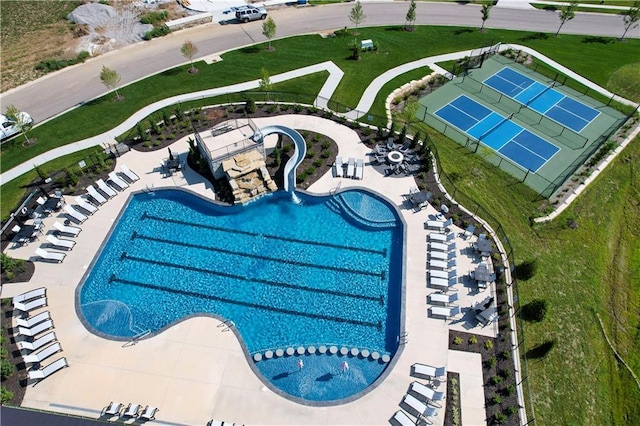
{"points": [[9, 128]]}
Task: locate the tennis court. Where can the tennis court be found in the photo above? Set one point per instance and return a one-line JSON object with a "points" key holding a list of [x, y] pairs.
{"points": [[543, 99], [509, 139]]}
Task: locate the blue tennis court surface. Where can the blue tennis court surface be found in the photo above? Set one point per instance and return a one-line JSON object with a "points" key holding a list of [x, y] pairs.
{"points": [[543, 99], [497, 132]]}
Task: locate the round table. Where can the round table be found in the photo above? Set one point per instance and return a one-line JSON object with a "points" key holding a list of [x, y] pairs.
{"points": [[395, 157]]}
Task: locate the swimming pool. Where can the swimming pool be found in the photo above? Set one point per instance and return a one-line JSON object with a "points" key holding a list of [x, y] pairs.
{"points": [[324, 272]]}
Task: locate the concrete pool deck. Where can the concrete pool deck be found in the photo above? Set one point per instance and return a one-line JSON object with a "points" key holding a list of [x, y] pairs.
{"points": [[194, 371]]}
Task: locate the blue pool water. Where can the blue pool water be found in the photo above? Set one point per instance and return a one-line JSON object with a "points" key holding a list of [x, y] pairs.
{"points": [[327, 271]]}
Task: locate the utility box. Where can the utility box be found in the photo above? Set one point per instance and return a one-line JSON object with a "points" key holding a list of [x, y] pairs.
{"points": [[366, 45]]}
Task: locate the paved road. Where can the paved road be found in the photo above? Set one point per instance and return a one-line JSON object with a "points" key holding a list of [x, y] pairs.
{"points": [[57, 92]]}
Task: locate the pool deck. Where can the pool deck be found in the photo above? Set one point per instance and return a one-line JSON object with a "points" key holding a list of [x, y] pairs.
{"points": [[195, 372]]}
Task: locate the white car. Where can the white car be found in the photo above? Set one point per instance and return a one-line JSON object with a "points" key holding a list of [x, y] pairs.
{"points": [[8, 127]]}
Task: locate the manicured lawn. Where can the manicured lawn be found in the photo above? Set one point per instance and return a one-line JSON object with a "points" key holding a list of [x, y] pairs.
{"points": [[593, 269], [599, 60]]}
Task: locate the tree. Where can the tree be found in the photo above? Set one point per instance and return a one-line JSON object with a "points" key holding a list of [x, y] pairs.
{"points": [[265, 82], [630, 18], [567, 13], [411, 17], [486, 9], [111, 79], [22, 120], [189, 50], [357, 16], [269, 30]]}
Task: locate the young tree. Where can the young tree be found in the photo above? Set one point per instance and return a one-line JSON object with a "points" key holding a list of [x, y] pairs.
{"points": [[269, 30], [630, 18], [486, 9], [22, 120], [567, 13], [357, 16], [111, 79], [265, 82], [189, 50], [411, 17]]}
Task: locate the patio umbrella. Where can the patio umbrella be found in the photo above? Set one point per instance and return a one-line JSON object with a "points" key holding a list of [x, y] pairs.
{"points": [[170, 154], [444, 209]]}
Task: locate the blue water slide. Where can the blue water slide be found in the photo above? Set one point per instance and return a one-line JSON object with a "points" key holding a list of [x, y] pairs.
{"points": [[299, 152]]}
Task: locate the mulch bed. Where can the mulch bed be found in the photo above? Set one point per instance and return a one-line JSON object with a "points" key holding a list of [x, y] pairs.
{"points": [[17, 382]]}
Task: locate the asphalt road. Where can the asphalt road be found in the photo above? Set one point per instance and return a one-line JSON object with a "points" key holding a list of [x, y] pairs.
{"points": [[70, 87]]}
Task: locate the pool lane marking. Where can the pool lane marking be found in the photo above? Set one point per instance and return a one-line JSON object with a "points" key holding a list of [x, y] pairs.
{"points": [[375, 325], [379, 299], [383, 253], [258, 256]]}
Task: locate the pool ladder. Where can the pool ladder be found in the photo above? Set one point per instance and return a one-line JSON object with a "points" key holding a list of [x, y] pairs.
{"points": [[333, 191], [227, 324], [403, 339], [136, 338]]}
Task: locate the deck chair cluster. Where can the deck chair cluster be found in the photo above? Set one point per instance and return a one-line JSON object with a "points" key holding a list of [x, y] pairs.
{"points": [[442, 274], [422, 401], [85, 206], [131, 411], [36, 340], [354, 168]]}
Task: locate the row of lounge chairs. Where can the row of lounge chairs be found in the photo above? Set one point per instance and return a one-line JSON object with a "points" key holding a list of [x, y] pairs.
{"points": [[131, 411], [354, 168], [30, 327], [442, 274], [422, 401]]}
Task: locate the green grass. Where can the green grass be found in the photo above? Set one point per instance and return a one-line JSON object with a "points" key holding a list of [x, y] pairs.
{"points": [[597, 60]]}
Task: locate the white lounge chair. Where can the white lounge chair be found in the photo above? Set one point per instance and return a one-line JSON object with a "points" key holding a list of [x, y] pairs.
{"points": [[438, 274], [426, 392], [85, 205], [30, 305], [149, 413], [120, 183], [428, 371], [359, 168], [132, 410], [438, 225], [38, 343], [49, 369], [75, 214], [36, 329], [69, 230], [443, 298], [351, 167], [42, 355], [437, 264], [443, 284], [338, 166], [402, 419], [440, 255], [113, 409], [128, 173], [57, 242], [469, 231], [445, 311], [417, 406], [442, 246], [31, 294], [43, 254], [93, 193], [102, 185], [31, 321], [438, 237]]}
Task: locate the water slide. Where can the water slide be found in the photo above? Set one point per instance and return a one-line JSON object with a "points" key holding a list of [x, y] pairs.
{"points": [[299, 152]]}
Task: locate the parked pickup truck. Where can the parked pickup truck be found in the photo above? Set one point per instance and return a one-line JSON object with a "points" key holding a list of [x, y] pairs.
{"points": [[8, 127]]}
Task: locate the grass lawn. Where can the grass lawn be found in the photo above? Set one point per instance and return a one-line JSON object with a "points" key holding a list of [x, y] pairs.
{"points": [[593, 269], [598, 60]]}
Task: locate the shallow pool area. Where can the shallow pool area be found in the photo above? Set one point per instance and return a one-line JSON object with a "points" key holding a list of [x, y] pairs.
{"points": [[323, 272]]}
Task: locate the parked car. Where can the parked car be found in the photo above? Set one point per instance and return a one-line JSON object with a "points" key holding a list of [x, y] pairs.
{"points": [[250, 13], [8, 127]]}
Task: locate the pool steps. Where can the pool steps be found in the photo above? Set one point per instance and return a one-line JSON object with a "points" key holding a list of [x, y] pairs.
{"points": [[339, 205]]}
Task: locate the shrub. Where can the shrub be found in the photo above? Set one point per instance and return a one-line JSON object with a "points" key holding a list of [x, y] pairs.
{"points": [[179, 113], [495, 380], [496, 399], [6, 369], [534, 311], [325, 145], [366, 131], [310, 170], [157, 32], [6, 395], [473, 340], [154, 17], [457, 340], [311, 154], [491, 362], [147, 144], [156, 143], [325, 154], [488, 345], [499, 417], [511, 410], [317, 163], [72, 178], [505, 373], [509, 390], [277, 156], [171, 136], [506, 354], [250, 107], [166, 118]]}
